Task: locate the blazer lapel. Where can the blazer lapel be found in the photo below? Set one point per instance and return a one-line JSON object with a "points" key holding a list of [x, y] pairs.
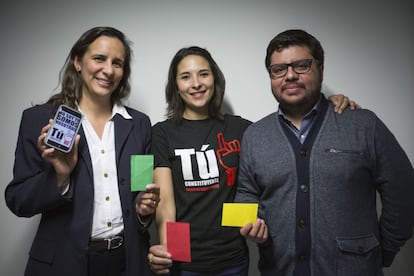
{"points": [[83, 151], [123, 128]]}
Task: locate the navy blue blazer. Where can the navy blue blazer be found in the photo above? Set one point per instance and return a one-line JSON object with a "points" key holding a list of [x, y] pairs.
{"points": [[61, 241]]}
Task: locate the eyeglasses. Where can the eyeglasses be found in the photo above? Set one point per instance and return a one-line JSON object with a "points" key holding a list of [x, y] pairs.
{"points": [[301, 66]]}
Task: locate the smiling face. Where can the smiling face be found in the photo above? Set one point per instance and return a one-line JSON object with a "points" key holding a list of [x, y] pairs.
{"points": [[101, 68], [295, 91], [195, 84]]}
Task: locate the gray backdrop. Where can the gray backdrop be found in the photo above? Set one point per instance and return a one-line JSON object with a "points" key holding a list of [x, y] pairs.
{"points": [[369, 57]]}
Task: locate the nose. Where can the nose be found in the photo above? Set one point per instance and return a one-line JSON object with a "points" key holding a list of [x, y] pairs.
{"points": [[196, 83], [108, 68], [291, 74]]}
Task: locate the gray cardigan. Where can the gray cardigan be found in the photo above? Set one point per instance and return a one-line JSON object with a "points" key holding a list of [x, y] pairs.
{"points": [[353, 157]]}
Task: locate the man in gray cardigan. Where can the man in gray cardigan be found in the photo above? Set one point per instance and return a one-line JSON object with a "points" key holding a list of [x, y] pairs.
{"points": [[316, 175]]}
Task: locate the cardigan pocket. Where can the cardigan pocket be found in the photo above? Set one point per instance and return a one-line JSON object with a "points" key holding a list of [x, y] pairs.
{"points": [[345, 151], [358, 256]]}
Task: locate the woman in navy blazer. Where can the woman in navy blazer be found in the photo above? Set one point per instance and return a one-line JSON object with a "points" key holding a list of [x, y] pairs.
{"points": [[91, 223]]}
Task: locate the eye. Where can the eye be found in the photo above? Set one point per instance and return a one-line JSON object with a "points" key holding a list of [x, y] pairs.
{"points": [[99, 58], [184, 77], [278, 69], [118, 64], [205, 74], [304, 64]]}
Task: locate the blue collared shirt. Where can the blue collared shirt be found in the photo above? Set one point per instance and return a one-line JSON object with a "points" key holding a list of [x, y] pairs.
{"points": [[306, 124]]}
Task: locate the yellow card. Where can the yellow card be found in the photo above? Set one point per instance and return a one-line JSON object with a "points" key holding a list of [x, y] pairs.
{"points": [[239, 214]]}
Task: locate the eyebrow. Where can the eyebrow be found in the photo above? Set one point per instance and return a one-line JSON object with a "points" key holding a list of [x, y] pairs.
{"points": [[200, 71], [97, 54]]}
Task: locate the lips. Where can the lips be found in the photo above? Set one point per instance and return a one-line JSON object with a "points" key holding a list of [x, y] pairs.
{"points": [[292, 87], [104, 82], [197, 94]]}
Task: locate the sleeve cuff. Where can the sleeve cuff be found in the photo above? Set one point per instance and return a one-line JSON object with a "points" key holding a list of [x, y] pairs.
{"points": [[68, 191], [387, 258], [145, 221]]}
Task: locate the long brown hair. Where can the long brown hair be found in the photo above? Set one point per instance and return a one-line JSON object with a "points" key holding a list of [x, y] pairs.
{"points": [[70, 79], [176, 105]]}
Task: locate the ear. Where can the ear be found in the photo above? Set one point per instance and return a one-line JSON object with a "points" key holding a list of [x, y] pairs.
{"points": [[321, 71], [77, 64]]}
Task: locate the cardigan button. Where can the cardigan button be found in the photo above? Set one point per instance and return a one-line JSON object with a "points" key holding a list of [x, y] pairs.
{"points": [[304, 188]]}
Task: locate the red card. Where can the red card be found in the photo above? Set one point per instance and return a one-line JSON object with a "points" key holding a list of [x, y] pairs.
{"points": [[178, 241]]}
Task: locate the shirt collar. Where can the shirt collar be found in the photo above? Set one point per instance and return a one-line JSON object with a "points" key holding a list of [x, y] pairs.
{"points": [[121, 110], [117, 109]]}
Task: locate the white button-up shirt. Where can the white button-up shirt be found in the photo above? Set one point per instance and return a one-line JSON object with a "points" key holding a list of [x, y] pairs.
{"points": [[107, 215]]}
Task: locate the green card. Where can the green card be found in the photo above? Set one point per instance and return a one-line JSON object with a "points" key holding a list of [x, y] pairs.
{"points": [[141, 171]]}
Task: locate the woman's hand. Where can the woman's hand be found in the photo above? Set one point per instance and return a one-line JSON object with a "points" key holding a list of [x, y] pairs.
{"points": [[63, 163], [147, 201], [159, 259], [341, 102]]}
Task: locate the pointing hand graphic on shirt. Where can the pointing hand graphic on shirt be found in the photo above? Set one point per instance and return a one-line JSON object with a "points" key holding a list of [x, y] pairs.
{"points": [[225, 150]]}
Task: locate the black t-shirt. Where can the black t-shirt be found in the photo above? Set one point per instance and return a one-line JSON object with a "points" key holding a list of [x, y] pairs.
{"points": [[203, 156]]}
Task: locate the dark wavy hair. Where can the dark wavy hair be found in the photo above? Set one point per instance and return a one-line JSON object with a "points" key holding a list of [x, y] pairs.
{"points": [[176, 105], [295, 37], [71, 80]]}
